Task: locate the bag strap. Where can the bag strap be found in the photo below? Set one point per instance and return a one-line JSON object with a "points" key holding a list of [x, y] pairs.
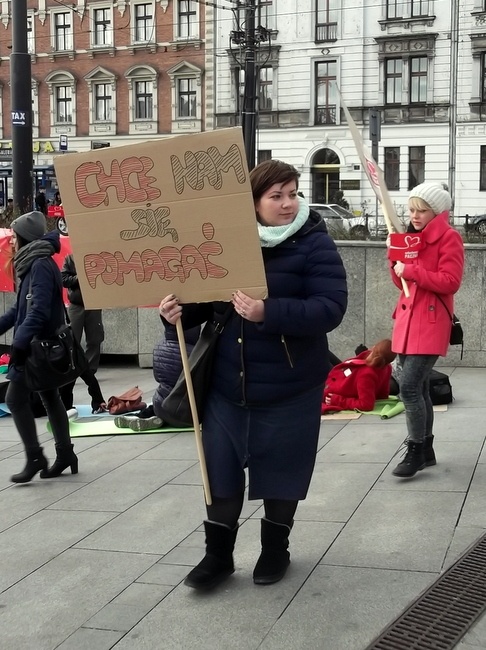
{"points": [[29, 301], [446, 308]]}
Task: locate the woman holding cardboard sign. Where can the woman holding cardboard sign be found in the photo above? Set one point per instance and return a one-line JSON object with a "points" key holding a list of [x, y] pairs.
{"points": [[271, 361], [433, 268]]}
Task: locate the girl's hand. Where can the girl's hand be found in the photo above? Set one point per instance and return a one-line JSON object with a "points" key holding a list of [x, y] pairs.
{"points": [[170, 309], [399, 268], [328, 398], [248, 308], [388, 241]]}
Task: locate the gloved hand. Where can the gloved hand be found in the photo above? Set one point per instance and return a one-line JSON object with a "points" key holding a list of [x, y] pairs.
{"points": [[18, 356]]}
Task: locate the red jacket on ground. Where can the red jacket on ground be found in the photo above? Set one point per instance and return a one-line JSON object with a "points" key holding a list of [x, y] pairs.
{"points": [[353, 385], [422, 324]]}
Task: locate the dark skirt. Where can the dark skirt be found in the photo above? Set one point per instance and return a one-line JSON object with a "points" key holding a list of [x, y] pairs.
{"points": [[278, 444]]}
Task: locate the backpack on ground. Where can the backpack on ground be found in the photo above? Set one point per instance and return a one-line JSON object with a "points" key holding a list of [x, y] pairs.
{"points": [[440, 388]]}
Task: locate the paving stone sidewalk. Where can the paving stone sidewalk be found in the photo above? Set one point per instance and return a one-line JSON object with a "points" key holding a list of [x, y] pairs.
{"points": [[96, 560]]}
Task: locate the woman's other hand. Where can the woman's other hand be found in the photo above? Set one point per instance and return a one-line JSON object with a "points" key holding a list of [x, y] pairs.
{"points": [[399, 268], [170, 309], [248, 308], [388, 241]]}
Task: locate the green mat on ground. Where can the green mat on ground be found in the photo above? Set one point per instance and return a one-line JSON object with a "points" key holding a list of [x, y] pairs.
{"points": [[102, 426], [384, 408]]}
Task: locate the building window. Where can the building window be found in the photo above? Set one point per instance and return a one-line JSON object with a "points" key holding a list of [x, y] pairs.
{"points": [[263, 155], [418, 80], [327, 12], [63, 34], [143, 23], [420, 8], [392, 168], [64, 104], [102, 102], [482, 169], [265, 86], [393, 81], [325, 92], [144, 105], [102, 28], [394, 9], [30, 35], [187, 19], [416, 166], [186, 99], [483, 77]]}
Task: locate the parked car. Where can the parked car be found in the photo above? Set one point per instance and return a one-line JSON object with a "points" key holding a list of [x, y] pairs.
{"points": [[363, 227], [57, 211], [475, 224]]}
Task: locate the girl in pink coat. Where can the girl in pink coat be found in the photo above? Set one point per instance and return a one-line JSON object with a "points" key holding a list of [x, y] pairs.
{"points": [[422, 322]]}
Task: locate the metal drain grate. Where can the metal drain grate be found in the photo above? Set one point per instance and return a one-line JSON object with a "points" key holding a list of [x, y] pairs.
{"points": [[442, 614]]}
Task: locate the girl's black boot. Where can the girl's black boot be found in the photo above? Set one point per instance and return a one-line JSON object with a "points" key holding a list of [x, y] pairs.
{"points": [[413, 462], [65, 457], [36, 462]]}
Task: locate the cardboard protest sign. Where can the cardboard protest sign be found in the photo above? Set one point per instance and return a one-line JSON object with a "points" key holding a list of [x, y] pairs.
{"points": [[174, 215], [404, 246], [374, 174]]}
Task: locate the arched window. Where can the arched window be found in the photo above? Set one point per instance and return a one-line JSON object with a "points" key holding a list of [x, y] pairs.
{"points": [[143, 105], [102, 101], [62, 92]]}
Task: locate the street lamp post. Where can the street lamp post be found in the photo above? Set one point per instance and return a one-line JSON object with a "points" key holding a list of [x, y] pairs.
{"points": [[21, 109]]}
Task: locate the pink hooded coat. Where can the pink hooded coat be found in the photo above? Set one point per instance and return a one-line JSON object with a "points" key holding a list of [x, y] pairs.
{"points": [[422, 324]]}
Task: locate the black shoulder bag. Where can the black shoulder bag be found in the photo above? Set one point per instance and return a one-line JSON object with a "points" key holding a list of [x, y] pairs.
{"points": [[176, 409], [457, 335], [53, 362]]}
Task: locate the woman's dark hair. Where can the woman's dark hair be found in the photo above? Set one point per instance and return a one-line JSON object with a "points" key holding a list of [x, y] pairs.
{"points": [[380, 354], [21, 242], [267, 173]]}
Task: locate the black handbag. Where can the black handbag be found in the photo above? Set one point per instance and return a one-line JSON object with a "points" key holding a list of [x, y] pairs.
{"points": [[457, 334], [54, 362], [175, 410]]}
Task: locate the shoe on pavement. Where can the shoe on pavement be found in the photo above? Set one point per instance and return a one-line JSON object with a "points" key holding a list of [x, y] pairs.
{"points": [[146, 424]]}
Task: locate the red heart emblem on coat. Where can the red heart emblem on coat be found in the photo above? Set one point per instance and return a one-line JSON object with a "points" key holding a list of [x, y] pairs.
{"points": [[411, 241]]}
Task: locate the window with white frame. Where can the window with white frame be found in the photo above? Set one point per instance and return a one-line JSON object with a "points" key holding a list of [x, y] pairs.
{"points": [[63, 104], [103, 102], [143, 23], [397, 9], [418, 79], [325, 109], [62, 36], [101, 27], [187, 19], [142, 101], [186, 98], [264, 88], [327, 12], [30, 35], [62, 88], [186, 95], [393, 81]]}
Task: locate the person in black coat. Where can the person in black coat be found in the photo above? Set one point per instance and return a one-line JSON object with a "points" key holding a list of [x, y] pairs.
{"points": [[271, 359], [38, 311]]}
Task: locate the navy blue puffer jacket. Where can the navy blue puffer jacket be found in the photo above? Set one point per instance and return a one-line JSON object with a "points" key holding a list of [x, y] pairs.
{"points": [[167, 362], [286, 354], [46, 313]]}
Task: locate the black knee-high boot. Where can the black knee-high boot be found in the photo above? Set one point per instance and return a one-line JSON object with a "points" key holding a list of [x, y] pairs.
{"points": [[217, 564], [274, 558]]}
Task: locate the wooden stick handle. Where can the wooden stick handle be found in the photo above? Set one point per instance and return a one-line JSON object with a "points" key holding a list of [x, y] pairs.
{"points": [[195, 417]]}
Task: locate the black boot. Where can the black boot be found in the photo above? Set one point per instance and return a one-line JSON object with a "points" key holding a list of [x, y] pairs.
{"points": [[65, 457], [413, 462], [217, 564], [36, 461], [429, 452], [274, 558]]}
